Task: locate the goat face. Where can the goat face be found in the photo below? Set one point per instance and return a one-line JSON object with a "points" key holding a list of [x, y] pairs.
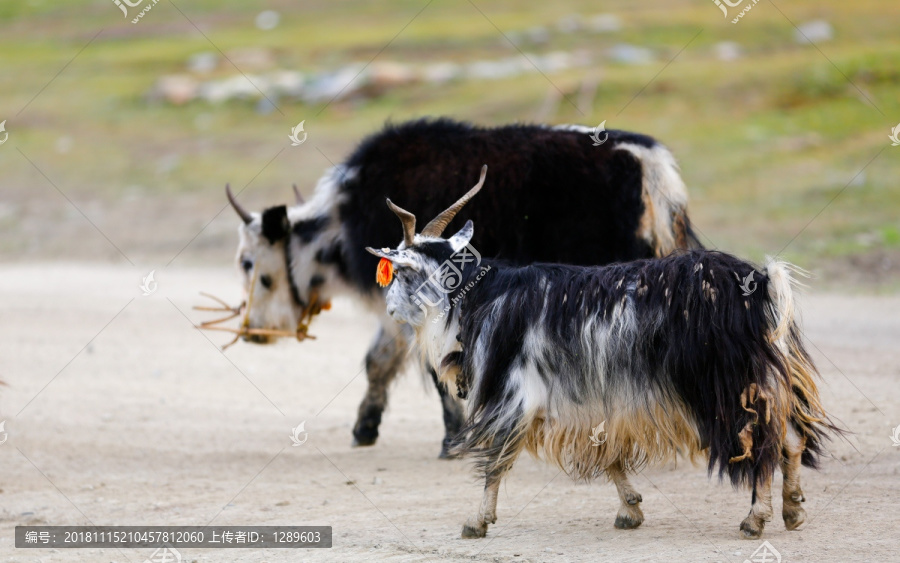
{"points": [[263, 269], [289, 258], [262, 261], [410, 271], [419, 290]]}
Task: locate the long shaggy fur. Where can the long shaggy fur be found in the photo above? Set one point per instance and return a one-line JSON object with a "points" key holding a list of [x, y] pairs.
{"points": [[669, 353], [551, 195]]}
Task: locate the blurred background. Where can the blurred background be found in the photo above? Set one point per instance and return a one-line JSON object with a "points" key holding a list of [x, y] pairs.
{"points": [[122, 135]]}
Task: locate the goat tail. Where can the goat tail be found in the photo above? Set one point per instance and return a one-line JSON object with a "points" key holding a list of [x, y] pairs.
{"points": [[807, 415], [782, 284]]}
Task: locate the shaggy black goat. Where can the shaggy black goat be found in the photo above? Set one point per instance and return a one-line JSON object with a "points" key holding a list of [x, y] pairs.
{"points": [[618, 201], [686, 353]]}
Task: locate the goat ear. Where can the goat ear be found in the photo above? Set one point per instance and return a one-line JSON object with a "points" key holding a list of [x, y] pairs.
{"points": [[397, 257], [275, 224], [381, 253], [462, 238]]}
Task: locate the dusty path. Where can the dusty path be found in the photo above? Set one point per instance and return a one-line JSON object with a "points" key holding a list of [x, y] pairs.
{"points": [[150, 424]]}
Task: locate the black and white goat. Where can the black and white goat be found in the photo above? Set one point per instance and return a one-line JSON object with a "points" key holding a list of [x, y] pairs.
{"points": [[622, 200], [665, 355]]}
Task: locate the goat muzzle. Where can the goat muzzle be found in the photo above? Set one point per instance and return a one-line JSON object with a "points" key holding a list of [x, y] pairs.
{"points": [[259, 335]]}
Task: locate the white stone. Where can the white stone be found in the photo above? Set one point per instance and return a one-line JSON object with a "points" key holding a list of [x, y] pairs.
{"points": [[605, 23], [268, 19], [630, 54], [816, 31], [728, 51]]}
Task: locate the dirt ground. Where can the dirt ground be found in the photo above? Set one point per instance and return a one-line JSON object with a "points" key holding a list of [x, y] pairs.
{"points": [[119, 412]]}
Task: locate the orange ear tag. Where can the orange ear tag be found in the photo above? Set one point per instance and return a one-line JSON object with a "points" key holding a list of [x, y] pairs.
{"points": [[385, 272]]}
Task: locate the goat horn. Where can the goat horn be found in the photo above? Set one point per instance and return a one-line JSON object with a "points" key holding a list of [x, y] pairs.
{"points": [[437, 225], [297, 196], [408, 220], [240, 210]]}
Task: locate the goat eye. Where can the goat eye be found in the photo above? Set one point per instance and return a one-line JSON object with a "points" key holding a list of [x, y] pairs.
{"points": [[266, 280], [247, 265]]}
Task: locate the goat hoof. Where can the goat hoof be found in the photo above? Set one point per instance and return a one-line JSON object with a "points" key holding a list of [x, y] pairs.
{"points": [[627, 522], [364, 434], [363, 442], [445, 454], [634, 498], [447, 445], [365, 430], [793, 519], [476, 531], [750, 530]]}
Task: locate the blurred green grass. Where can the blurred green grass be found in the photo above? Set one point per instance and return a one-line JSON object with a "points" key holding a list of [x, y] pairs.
{"points": [[765, 142]]}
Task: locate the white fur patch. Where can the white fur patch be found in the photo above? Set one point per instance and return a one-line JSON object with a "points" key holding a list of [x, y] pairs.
{"points": [[665, 189], [574, 127]]}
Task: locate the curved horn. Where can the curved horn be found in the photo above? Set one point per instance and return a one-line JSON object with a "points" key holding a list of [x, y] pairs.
{"points": [[437, 225], [408, 220], [297, 196], [240, 210]]}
